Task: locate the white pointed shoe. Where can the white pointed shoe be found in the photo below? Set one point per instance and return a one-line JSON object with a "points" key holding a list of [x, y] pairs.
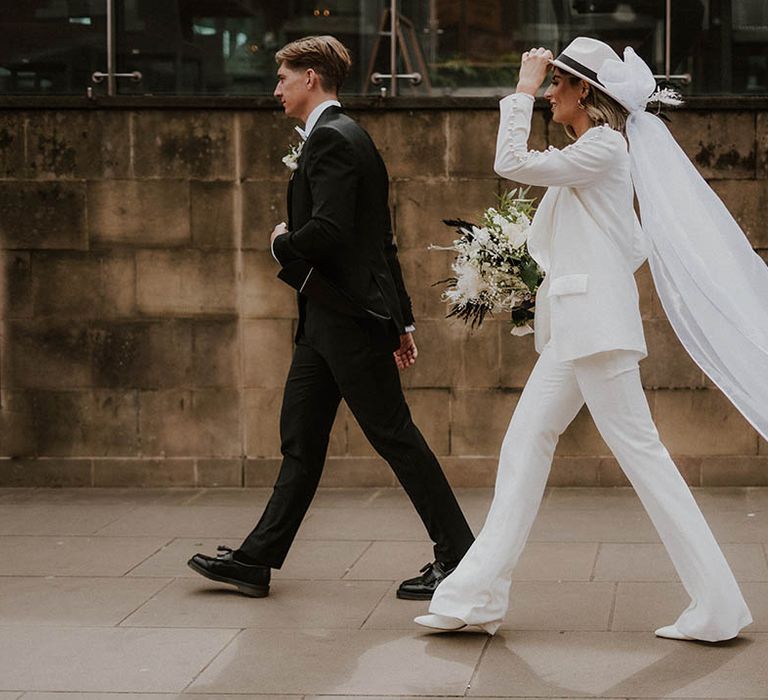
{"points": [[444, 623], [440, 622], [671, 632]]}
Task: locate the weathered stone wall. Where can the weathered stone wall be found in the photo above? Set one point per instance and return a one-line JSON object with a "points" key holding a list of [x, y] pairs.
{"points": [[145, 338]]}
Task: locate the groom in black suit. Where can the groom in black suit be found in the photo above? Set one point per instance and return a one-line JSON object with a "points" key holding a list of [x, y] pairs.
{"points": [[354, 330]]}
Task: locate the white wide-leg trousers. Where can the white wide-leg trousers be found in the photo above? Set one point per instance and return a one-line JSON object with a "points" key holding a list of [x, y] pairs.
{"points": [[477, 592]]}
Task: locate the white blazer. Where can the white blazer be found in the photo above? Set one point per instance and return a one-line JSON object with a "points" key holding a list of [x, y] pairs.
{"points": [[585, 235]]}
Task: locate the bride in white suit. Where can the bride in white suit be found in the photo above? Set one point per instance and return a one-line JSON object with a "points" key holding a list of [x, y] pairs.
{"points": [[589, 334]]}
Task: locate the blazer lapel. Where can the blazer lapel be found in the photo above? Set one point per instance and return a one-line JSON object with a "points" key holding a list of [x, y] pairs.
{"points": [[542, 227]]}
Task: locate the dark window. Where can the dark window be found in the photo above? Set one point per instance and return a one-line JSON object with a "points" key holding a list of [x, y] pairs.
{"points": [[459, 47]]}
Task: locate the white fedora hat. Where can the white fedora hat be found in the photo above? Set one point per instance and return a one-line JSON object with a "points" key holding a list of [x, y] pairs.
{"points": [[584, 57]]}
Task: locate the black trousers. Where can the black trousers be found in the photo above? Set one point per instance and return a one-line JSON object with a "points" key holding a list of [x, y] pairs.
{"points": [[339, 357]]}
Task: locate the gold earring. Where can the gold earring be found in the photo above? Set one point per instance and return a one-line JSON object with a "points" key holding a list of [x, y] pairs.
{"points": [[581, 106]]}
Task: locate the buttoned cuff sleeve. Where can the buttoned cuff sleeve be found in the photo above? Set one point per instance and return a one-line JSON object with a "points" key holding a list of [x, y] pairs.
{"points": [[582, 163]]}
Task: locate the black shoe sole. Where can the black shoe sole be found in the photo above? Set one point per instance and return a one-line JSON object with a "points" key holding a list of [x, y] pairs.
{"points": [[249, 589], [405, 595]]}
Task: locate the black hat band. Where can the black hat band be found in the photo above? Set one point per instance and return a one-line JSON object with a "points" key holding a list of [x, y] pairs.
{"points": [[580, 67]]}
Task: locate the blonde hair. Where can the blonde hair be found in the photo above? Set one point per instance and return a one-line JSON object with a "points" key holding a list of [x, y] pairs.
{"points": [[601, 108], [326, 55]]}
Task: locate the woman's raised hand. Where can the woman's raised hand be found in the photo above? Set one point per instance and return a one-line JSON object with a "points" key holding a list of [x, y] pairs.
{"points": [[534, 67]]}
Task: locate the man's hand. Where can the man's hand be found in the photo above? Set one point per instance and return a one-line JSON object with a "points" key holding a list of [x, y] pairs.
{"points": [[534, 67], [279, 230], [406, 354]]}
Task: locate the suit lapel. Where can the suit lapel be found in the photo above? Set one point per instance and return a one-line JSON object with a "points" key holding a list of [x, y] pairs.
{"points": [[297, 183]]}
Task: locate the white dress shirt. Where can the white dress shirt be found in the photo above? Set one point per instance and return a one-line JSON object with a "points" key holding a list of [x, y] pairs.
{"points": [[314, 115]]}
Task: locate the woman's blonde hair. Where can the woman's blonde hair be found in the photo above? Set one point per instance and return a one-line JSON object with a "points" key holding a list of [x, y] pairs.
{"points": [[600, 108]]}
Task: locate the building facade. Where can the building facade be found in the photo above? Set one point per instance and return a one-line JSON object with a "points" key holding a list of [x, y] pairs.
{"points": [[145, 337]]}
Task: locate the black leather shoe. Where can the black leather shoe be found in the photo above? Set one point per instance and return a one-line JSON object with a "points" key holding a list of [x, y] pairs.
{"points": [[250, 579], [422, 587]]}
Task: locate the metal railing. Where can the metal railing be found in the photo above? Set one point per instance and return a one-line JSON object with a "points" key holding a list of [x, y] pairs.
{"points": [[111, 75]]}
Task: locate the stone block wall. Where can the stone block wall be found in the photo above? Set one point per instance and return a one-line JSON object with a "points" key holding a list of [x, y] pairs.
{"points": [[145, 339]]}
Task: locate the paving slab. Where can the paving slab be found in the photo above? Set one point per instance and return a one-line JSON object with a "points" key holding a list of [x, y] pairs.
{"points": [[556, 561], [468, 498], [613, 664], [226, 496], [343, 662], [49, 519], [391, 613], [106, 659], [646, 606], [75, 556], [757, 497], [585, 498], [547, 561], [650, 562], [535, 605], [622, 498], [149, 696], [584, 525], [76, 602], [739, 526], [186, 521], [324, 498], [417, 697], [290, 605], [651, 605], [364, 524], [97, 496], [565, 605], [387, 561]]}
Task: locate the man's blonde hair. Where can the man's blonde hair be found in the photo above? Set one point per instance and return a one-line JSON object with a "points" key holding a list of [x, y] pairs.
{"points": [[326, 55]]}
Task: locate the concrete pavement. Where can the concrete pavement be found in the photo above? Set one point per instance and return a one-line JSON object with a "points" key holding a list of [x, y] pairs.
{"points": [[96, 601]]}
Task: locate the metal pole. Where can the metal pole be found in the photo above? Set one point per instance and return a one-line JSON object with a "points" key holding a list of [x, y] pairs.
{"points": [[393, 47], [668, 40], [434, 26], [110, 47]]}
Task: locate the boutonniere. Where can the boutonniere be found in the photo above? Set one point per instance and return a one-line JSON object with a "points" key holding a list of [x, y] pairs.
{"points": [[291, 159]]}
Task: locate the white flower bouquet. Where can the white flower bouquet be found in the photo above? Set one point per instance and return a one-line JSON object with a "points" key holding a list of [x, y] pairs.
{"points": [[493, 270]]}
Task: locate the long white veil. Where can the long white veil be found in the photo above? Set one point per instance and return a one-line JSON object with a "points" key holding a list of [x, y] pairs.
{"points": [[712, 285]]}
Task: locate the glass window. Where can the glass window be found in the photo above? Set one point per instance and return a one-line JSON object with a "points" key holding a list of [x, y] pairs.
{"points": [[748, 51], [458, 47], [228, 46], [473, 47], [51, 47]]}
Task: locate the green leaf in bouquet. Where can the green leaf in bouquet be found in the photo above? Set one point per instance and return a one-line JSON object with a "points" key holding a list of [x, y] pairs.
{"points": [[530, 274]]}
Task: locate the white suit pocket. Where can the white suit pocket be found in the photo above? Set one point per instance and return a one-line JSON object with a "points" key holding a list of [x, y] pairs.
{"points": [[568, 284]]}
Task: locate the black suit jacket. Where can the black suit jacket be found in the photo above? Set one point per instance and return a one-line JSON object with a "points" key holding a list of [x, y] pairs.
{"points": [[340, 225]]}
